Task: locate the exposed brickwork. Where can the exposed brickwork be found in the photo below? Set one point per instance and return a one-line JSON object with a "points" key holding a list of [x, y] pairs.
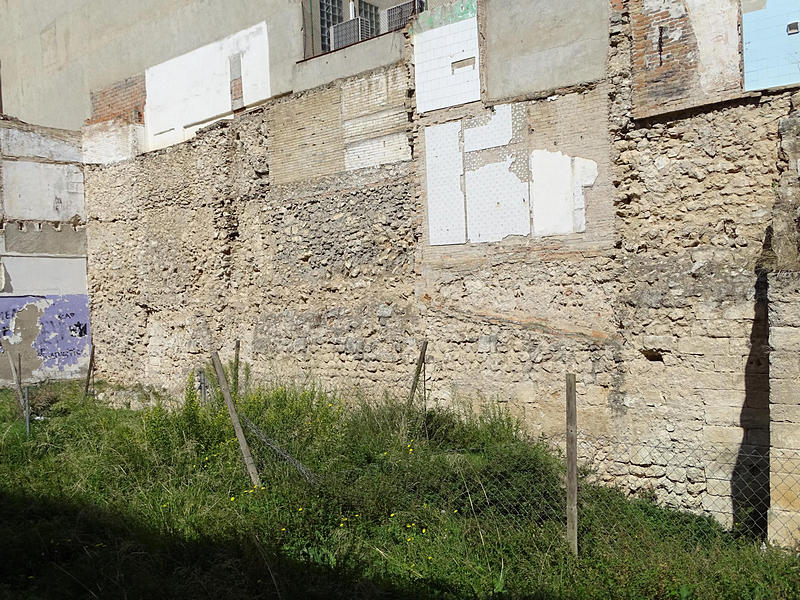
{"points": [[359, 123], [671, 71], [124, 99], [306, 136], [237, 97], [257, 231]]}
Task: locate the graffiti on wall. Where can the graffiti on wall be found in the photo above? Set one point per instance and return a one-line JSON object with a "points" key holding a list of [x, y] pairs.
{"points": [[49, 333]]}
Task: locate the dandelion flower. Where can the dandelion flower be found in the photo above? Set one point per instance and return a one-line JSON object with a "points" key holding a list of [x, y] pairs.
{"points": [[455, 510], [391, 515], [430, 558], [283, 528], [408, 539], [341, 524], [233, 498], [300, 509], [424, 530]]}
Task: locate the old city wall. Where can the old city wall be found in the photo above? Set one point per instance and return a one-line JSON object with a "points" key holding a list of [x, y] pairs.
{"points": [[306, 229]]}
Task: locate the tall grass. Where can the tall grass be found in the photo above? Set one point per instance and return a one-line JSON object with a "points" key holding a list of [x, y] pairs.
{"points": [[404, 503]]}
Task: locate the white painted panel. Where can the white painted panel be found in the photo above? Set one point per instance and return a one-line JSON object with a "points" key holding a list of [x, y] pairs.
{"points": [[377, 151], [498, 203], [438, 83], [195, 87], [584, 174], [37, 276], [14, 142], [110, 141], [557, 192], [497, 132], [43, 192], [444, 166]]}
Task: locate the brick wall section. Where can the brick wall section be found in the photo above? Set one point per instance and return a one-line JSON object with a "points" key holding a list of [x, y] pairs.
{"points": [[374, 106], [578, 125], [306, 136], [237, 96], [668, 72], [124, 99], [362, 122]]}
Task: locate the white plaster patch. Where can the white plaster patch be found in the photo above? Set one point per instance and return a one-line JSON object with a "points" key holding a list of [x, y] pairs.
{"points": [[110, 141], [557, 192], [15, 142], [444, 165], [675, 9], [446, 68], [192, 90], [716, 28], [42, 192], [498, 203], [497, 132], [377, 151], [39, 276]]}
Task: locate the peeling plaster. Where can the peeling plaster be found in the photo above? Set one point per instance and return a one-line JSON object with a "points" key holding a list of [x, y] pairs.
{"points": [[557, 192], [752, 5], [496, 132], [716, 29]]}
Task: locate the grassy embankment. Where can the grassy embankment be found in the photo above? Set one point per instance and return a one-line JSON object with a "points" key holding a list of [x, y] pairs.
{"points": [[104, 503]]}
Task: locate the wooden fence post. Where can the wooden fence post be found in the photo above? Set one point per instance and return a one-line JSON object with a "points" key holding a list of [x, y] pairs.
{"points": [[89, 373], [235, 376], [226, 393], [572, 465], [420, 361]]}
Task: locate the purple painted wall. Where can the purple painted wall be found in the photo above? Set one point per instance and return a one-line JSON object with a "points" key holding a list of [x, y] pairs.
{"points": [[50, 333]]}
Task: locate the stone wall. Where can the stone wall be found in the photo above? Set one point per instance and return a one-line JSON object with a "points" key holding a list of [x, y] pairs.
{"points": [[655, 294], [784, 407]]}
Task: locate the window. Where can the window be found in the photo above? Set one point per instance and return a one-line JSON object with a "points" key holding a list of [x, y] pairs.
{"points": [[371, 13], [330, 13]]}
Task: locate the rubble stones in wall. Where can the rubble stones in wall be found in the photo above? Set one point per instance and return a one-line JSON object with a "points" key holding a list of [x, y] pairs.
{"points": [[323, 272], [213, 252]]}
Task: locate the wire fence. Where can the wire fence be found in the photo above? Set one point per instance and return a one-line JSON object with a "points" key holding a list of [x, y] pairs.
{"points": [[514, 495]]}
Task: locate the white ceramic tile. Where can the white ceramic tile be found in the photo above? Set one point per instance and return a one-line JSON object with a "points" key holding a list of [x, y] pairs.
{"points": [[444, 166], [498, 203]]}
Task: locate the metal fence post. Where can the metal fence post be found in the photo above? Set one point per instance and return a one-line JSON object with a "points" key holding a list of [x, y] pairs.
{"points": [[572, 465], [27, 413]]}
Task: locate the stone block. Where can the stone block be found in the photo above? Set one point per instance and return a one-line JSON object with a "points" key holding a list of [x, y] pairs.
{"points": [[786, 338], [785, 435], [784, 391], [783, 528], [714, 434]]}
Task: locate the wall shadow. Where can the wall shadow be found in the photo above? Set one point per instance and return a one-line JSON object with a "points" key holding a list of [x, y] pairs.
{"points": [[750, 484], [57, 549]]}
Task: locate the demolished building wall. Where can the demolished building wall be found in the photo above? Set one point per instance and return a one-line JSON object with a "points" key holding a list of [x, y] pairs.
{"points": [[609, 229], [44, 306]]}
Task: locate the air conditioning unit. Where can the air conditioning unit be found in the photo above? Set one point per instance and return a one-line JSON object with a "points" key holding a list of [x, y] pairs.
{"points": [[349, 32], [396, 17]]}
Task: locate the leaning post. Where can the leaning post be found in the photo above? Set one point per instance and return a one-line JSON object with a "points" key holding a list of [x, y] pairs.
{"points": [[237, 427]]}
